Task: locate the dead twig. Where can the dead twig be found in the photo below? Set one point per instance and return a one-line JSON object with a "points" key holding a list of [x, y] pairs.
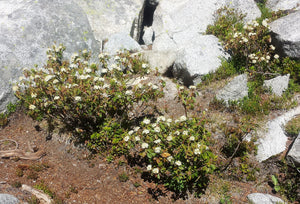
{"points": [[17, 145], [21, 154], [41, 196]]}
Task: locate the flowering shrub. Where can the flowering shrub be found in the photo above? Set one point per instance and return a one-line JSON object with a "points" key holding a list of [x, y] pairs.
{"points": [[187, 97], [84, 96], [252, 48], [174, 152]]}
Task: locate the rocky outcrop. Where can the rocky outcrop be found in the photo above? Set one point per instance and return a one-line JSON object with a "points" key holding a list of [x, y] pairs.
{"points": [[121, 41], [286, 35], [109, 17], [8, 199], [276, 5], [278, 84], [272, 139], [28, 28], [294, 153], [234, 90], [197, 57], [179, 26], [260, 198]]}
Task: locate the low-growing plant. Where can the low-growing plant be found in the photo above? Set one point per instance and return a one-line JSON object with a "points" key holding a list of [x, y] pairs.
{"points": [[123, 177], [226, 21], [275, 183], [84, 96], [292, 128], [226, 70], [43, 187], [174, 153], [187, 97]]}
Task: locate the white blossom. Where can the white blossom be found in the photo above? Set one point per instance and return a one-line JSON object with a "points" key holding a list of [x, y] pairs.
{"points": [[169, 138], [272, 47], [106, 86], [130, 132], [145, 145], [144, 66], [136, 129], [49, 77], [97, 87], [157, 129], [103, 71], [154, 87], [137, 138], [157, 149], [32, 107], [160, 118], [155, 170], [170, 158], [157, 141], [265, 23], [33, 95], [56, 97], [149, 167], [182, 118], [77, 98], [55, 81], [129, 92], [276, 56], [178, 163], [197, 151], [146, 121], [15, 88], [145, 132], [88, 70], [126, 138], [192, 138]]}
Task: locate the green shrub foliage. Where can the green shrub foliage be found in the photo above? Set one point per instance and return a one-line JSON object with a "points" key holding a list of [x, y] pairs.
{"points": [[83, 96]]}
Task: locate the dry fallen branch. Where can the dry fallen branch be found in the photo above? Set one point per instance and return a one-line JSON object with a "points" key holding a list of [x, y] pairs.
{"points": [[17, 145], [21, 154], [41, 196]]}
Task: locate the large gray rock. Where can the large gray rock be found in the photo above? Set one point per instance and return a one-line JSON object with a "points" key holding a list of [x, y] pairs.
{"points": [[247, 7], [286, 35], [173, 16], [160, 59], [179, 26], [272, 139], [121, 41], [276, 5], [163, 43], [294, 153], [234, 90], [278, 84], [260, 198], [197, 56], [109, 17], [8, 199], [148, 36], [29, 27]]}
